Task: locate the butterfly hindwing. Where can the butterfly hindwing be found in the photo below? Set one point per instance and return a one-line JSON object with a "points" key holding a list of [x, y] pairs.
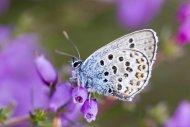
{"points": [[122, 68]]}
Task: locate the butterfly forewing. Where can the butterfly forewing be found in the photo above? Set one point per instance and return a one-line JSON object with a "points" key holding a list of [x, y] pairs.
{"points": [[122, 68]]}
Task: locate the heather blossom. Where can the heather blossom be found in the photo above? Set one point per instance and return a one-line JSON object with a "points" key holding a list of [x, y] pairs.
{"points": [[183, 35], [19, 83], [61, 96], [181, 116], [46, 70], [79, 95], [137, 13], [21, 86], [183, 12], [90, 109], [183, 15]]}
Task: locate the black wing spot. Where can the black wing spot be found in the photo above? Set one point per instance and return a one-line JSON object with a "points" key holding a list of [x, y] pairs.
{"points": [[106, 73], [142, 60], [132, 45], [120, 58], [120, 79], [129, 69], [105, 80], [114, 69], [110, 57], [130, 40], [110, 90], [126, 75], [119, 87], [102, 62], [127, 63]]}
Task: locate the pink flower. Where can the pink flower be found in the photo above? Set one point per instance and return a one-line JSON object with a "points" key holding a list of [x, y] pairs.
{"points": [[79, 95], [183, 34], [46, 70], [136, 13], [90, 109], [181, 116], [183, 12]]}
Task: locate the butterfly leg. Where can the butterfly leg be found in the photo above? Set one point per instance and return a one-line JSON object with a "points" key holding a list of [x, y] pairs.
{"points": [[89, 96]]}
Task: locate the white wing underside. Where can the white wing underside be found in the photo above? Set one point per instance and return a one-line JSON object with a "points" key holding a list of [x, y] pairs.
{"points": [[132, 48]]}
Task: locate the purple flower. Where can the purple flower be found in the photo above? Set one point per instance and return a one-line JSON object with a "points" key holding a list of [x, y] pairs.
{"points": [[5, 33], [46, 70], [61, 96], [4, 6], [79, 95], [70, 117], [90, 109], [136, 13], [183, 34], [183, 12], [181, 116], [19, 83]]}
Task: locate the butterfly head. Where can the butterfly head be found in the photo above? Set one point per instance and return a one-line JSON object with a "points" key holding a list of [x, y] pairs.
{"points": [[76, 63]]}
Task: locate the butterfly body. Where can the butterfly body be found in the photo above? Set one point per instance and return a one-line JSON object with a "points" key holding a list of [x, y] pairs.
{"points": [[121, 68]]}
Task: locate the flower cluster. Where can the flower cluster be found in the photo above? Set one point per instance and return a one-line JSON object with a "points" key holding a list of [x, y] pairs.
{"points": [[22, 88], [63, 92], [20, 85], [89, 107], [183, 16]]}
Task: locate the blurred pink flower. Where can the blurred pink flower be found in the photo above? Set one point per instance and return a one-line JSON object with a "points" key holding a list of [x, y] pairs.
{"points": [[183, 35], [4, 6], [61, 96], [136, 13], [19, 83], [183, 12], [181, 117]]}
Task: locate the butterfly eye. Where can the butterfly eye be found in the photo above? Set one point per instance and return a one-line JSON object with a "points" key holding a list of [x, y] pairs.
{"points": [[76, 64]]}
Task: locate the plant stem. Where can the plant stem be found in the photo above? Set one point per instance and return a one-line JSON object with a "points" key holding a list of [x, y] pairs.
{"points": [[15, 121]]}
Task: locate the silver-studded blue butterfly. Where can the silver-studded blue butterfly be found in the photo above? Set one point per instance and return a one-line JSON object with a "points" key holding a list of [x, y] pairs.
{"points": [[121, 68]]}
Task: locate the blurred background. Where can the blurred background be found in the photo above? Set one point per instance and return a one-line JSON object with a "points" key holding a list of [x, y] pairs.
{"points": [[91, 24]]}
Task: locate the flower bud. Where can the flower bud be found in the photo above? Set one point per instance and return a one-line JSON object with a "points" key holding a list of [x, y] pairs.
{"points": [[46, 70]]}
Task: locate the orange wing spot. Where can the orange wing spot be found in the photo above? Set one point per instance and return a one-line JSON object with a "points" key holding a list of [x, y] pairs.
{"points": [[138, 61], [128, 91], [135, 83], [139, 75], [141, 67]]}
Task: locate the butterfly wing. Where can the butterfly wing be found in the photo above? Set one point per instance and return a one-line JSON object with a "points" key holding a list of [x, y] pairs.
{"points": [[122, 68]]}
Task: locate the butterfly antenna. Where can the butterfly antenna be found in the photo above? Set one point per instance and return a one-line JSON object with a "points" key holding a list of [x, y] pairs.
{"points": [[64, 53], [68, 38]]}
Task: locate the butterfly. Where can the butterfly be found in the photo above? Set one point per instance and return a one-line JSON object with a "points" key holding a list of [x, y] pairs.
{"points": [[121, 68]]}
